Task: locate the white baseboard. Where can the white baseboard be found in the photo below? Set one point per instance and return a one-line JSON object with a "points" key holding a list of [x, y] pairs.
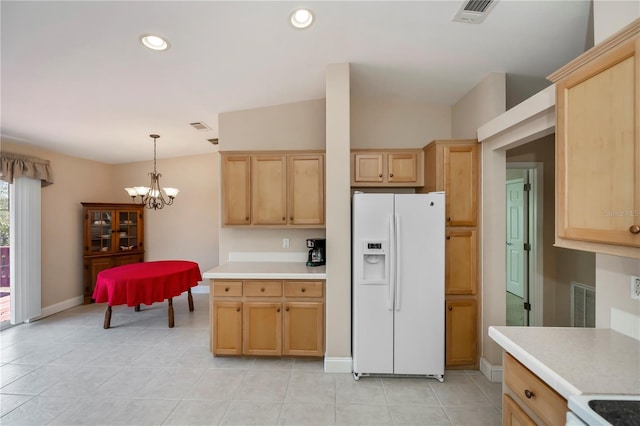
{"points": [[491, 372], [338, 365], [201, 288], [59, 307]]}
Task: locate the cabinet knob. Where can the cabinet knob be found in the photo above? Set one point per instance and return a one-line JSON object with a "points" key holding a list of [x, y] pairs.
{"points": [[278, 310], [287, 309], [448, 237], [246, 218], [262, 289], [391, 175], [380, 175], [291, 218], [634, 229], [226, 289], [303, 289], [283, 218], [528, 394], [237, 309], [448, 219], [450, 308]]}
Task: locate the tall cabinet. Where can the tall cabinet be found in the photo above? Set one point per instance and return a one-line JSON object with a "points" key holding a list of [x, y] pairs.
{"points": [[453, 166], [113, 235]]}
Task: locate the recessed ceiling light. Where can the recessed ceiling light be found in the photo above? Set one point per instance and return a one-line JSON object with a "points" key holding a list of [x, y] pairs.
{"points": [[154, 42], [301, 18]]}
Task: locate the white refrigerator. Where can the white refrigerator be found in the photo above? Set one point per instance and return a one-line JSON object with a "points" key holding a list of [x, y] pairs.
{"points": [[398, 284]]}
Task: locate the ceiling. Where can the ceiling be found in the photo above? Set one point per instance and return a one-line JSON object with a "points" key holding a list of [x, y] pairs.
{"points": [[76, 80]]}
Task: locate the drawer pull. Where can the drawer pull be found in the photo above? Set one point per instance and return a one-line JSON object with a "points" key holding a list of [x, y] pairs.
{"points": [[448, 219], [450, 308], [287, 309], [303, 289], [278, 310], [528, 394], [391, 175], [448, 237], [262, 289], [380, 175], [237, 309], [226, 289], [246, 218], [634, 229]]}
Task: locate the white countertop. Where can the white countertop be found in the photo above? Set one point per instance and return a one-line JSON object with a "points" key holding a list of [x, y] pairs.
{"points": [[575, 361], [267, 270]]}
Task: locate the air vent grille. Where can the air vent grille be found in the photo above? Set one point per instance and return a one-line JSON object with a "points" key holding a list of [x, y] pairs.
{"points": [[474, 11], [213, 141], [200, 125]]}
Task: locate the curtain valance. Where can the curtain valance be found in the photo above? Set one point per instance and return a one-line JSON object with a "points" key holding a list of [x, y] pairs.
{"points": [[16, 165]]}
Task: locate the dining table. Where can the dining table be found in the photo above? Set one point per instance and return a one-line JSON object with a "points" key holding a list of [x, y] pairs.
{"points": [[146, 283]]}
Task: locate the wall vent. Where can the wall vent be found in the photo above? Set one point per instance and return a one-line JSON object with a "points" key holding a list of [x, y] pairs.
{"points": [[200, 125], [583, 305], [213, 141], [474, 11]]}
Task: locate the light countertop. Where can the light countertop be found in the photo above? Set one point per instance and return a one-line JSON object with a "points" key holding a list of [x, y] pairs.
{"points": [[267, 270], [575, 361]]}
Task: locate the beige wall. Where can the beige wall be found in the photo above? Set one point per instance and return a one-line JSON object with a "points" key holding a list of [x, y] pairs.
{"points": [[561, 266], [188, 229], [75, 180], [397, 123], [485, 101]]}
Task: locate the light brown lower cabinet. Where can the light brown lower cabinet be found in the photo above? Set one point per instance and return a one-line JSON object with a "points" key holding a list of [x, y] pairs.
{"points": [[461, 325], [267, 318], [528, 399]]}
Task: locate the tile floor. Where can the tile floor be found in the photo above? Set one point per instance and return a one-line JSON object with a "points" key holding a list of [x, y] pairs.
{"points": [[67, 370]]}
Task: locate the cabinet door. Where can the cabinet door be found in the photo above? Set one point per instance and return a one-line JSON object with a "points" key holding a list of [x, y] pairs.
{"points": [[306, 189], [461, 332], [513, 415], [269, 190], [128, 232], [598, 150], [460, 262], [91, 269], [402, 167], [303, 328], [99, 235], [125, 260], [461, 184], [367, 167], [262, 328], [236, 190], [226, 324]]}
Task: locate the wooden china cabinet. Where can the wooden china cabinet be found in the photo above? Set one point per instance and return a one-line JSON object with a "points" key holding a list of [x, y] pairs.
{"points": [[113, 235]]}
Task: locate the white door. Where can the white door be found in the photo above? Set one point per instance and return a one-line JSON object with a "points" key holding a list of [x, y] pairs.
{"points": [[515, 237], [419, 292], [371, 283]]}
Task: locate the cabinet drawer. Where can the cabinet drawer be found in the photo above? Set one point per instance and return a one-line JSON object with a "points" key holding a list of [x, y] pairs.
{"points": [[227, 288], [303, 288], [537, 395], [263, 288]]}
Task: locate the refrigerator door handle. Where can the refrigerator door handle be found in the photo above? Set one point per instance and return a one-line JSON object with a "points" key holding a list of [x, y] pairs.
{"points": [[392, 263], [398, 269]]}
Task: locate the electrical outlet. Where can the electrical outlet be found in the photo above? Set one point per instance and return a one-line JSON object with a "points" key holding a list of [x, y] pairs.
{"points": [[285, 243], [635, 287]]}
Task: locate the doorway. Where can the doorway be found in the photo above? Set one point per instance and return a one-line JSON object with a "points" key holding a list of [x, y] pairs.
{"points": [[5, 284], [523, 245]]}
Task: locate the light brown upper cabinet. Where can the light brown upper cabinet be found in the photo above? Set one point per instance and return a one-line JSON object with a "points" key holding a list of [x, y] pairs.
{"points": [[273, 189], [598, 146], [452, 167], [387, 168]]}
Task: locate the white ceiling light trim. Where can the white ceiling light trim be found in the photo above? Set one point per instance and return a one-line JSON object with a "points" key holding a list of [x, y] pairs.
{"points": [[301, 18], [154, 42]]}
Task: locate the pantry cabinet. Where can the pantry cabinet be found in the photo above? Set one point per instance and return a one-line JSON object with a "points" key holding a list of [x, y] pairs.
{"points": [[113, 235], [393, 168], [267, 317], [598, 147], [453, 166], [273, 189]]}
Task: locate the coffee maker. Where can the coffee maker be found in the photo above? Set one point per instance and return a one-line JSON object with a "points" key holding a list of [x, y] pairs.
{"points": [[316, 251]]}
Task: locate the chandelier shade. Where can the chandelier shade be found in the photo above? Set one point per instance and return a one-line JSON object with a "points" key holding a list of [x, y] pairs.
{"points": [[153, 196]]}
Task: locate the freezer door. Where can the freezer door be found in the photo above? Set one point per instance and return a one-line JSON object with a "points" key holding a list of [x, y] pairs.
{"points": [[419, 293], [372, 287]]}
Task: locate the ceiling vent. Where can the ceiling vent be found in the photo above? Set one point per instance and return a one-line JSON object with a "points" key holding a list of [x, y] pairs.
{"points": [[474, 11], [213, 141], [200, 125]]}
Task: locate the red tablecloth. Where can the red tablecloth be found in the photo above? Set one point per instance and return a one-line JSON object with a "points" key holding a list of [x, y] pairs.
{"points": [[145, 282]]}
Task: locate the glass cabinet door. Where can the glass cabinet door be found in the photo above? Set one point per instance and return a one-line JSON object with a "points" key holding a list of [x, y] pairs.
{"points": [[127, 230], [101, 240]]}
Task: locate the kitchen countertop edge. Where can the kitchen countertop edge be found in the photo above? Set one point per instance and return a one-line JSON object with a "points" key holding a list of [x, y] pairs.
{"points": [[266, 270]]}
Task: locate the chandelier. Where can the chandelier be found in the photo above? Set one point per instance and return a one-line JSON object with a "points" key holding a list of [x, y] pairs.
{"points": [[153, 197]]}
